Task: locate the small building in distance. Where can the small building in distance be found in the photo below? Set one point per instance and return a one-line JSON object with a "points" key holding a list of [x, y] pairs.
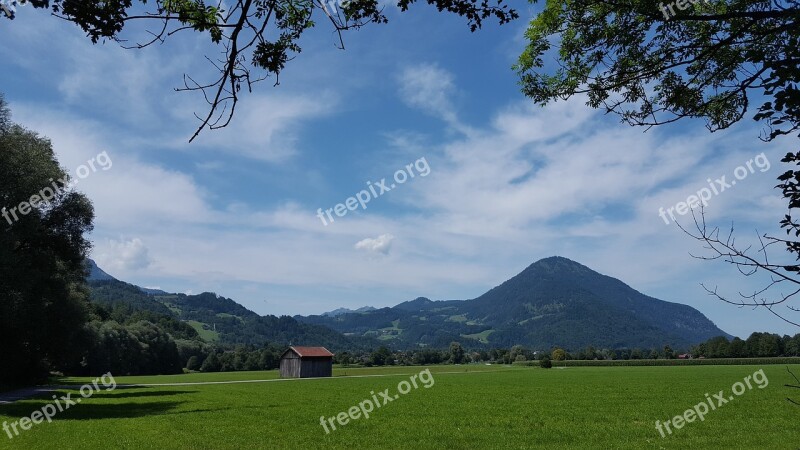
{"points": [[306, 362]]}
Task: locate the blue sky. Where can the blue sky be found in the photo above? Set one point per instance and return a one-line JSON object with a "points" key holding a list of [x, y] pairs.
{"points": [[509, 183]]}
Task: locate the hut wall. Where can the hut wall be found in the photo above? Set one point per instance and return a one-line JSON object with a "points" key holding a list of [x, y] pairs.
{"points": [[291, 366], [316, 367]]}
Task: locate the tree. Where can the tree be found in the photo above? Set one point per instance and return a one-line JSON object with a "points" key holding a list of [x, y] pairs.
{"points": [[456, 353], [381, 357], [718, 347], [517, 351], [793, 346], [768, 345], [141, 348], [559, 354], [269, 360], [114, 348], [253, 361], [653, 64], [212, 363], [188, 348], [427, 356], [257, 38], [632, 59], [159, 351], [43, 308], [193, 363], [545, 363], [737, 348]]}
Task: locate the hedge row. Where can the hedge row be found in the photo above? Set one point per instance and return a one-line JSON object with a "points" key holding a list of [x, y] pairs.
{"points": [[667, 362]]}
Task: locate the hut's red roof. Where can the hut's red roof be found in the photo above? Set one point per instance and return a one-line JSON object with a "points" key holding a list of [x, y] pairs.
{"points": [[312, 352]]}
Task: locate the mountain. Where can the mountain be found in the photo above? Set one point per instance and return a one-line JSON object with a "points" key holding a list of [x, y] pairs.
{"points": [[96, 273], [153, 291], [553, 302], [215, 318], [340, 311]]}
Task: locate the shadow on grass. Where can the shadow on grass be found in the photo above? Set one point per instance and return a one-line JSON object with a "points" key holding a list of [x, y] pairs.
{"points": [[92, 411], [119, 392], [115, 394]]}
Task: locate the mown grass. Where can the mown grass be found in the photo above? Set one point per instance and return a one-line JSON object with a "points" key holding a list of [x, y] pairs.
{"points": [[207, 335], [477, 406]]}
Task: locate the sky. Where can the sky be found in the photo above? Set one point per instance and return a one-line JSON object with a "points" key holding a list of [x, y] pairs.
{"points": [[490, 182]]}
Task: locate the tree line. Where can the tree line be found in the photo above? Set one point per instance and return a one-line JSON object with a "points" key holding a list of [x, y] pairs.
{"points": [[758, 345]]}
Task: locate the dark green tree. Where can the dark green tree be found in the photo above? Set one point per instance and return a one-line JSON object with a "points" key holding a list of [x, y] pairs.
{"points": [[269, 360], [769, 345], [737, 348], [457, 355], [718, 347], [212, 363], [159, 351], [651, 68], [519, 353], [193, 363], [252, 362], [427, 356], [792, 347], [381, 357], [113, 349], [43, 296]]}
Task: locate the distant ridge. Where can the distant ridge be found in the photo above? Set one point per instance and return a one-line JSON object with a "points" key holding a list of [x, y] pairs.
{"points": [[340, 311], [96, 273], [553, 302], [215, 318]]}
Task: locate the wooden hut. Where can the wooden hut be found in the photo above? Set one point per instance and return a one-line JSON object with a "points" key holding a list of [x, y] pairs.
{"points": [[306, 362]]}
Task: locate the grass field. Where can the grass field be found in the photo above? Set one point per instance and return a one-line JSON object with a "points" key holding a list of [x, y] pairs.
{"points": [[466, 407], [207, 335]]}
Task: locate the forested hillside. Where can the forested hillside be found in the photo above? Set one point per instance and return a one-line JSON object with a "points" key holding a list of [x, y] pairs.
{"points": [[553, 302]]}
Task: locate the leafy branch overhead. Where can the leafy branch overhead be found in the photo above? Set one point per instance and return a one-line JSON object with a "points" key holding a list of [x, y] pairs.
{"points": [[635, 59], [242, 29]]}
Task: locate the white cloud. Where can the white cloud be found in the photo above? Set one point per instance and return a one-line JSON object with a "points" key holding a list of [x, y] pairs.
{"points": [[127, 88], [381, 244], [429, 88], [267, 125], [124, 255], [131, 190]]}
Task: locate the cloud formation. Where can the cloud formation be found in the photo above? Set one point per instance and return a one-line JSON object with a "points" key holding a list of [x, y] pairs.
{"points": [[124, 255], [381, 244], [429, 87]]}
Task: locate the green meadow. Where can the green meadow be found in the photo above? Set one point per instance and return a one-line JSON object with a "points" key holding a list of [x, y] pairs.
{"points": [[465, 407]]}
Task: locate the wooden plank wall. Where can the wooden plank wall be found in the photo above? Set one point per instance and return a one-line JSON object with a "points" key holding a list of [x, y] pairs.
{"points": [[291, 366]]}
